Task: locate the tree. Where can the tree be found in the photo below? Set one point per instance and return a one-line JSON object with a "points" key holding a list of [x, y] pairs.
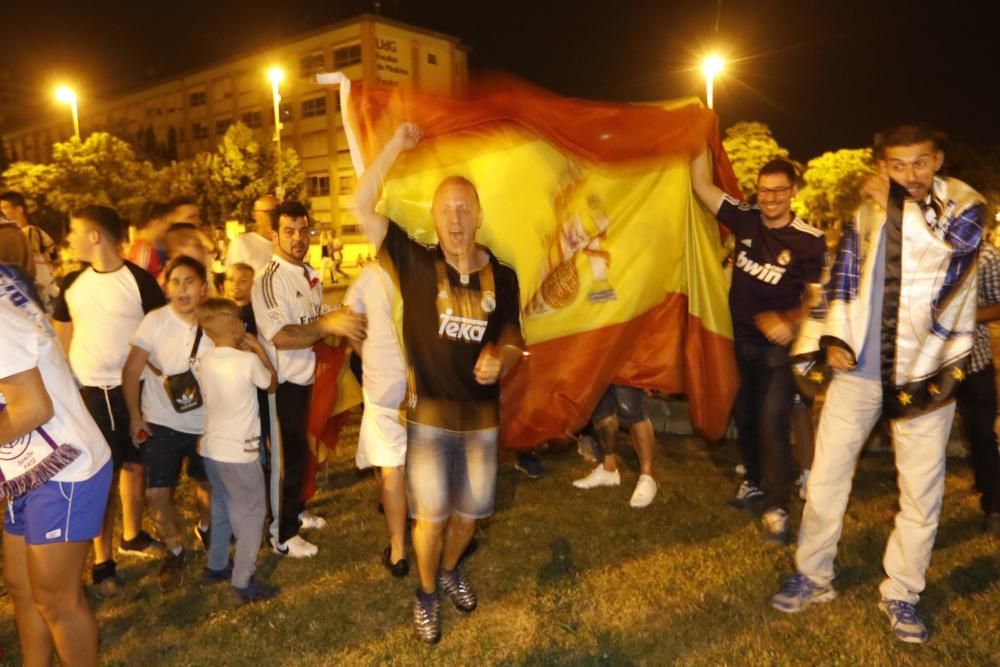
{"points": [[832, 184], [750, 145], [227, 181]]}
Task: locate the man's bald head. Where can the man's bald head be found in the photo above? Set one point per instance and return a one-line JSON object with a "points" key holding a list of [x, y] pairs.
{"points": [[262, 208]]}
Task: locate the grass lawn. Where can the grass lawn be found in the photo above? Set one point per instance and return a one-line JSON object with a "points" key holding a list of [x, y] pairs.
{"points": [[576, 577]]}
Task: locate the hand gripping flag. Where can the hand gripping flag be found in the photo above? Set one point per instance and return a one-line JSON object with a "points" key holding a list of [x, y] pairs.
{"points": [[620, 268]]}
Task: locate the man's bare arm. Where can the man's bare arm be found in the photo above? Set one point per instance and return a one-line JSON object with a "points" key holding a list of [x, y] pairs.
{"points": [[701, 181], [370, 188], [342, 322]]}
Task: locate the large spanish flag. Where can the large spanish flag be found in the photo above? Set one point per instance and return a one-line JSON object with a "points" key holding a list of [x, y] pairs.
{"points": [[620, 268]]}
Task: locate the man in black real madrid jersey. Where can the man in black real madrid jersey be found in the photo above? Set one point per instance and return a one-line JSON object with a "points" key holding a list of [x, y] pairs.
{"points": [[777, 270], [461, 331]]}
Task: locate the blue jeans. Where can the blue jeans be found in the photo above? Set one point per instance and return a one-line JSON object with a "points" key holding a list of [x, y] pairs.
{"points": [[763, 417], [450, 472]]}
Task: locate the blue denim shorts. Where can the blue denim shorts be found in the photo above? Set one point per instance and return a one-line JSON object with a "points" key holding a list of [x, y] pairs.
{"points": [[61, 511], [450, 472], [625, 402]]}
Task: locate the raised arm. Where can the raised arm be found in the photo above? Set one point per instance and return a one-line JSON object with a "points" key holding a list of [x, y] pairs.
{"points": [[701, 181], [369, 189]]}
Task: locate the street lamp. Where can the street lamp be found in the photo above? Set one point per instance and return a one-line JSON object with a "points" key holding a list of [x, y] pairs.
{"points": [[711, 67], [67, 96], [277, 75]]}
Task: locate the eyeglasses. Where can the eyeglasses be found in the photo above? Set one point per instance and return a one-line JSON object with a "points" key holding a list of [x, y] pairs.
{"points": [[774, 191]]}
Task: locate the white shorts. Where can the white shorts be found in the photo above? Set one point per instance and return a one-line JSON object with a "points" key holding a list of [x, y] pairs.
{"points": [[382, 440]]}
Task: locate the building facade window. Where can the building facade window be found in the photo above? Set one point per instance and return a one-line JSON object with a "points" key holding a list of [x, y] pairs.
{"points": [[286, 111], [252, 119], [314, 107], [311, 63], [222, 125], [318, 185], [196, 99], [199, 130], [346, 56], [345, 183], [432, 59]]}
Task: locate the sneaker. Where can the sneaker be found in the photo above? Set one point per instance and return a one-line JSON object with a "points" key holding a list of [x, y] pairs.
{"points": [[400, 568], [143, 545], [458, 589], [172, 572], [204, 536], [747, 495], [530, 465], [645, 491], [309, 521], [905, 622], [210, 576], [108, 587], [801, 483], [798, 592], [254, 592], [586, 447], [775, 525], [598, 477], [427, 617], [294, 547]]}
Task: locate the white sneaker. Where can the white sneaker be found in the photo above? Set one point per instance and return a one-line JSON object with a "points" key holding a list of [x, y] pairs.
{"points": [[598, 477], [801, 483], [311, 521], [645, 491], [295, 547]]}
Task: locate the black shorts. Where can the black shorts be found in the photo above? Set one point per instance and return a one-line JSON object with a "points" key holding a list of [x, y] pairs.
{"points": [[107, 407], [625, 402], [164, 453]]}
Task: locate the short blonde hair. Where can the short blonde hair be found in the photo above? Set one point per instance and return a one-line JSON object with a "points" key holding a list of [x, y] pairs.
{"points": [[214, 307]]}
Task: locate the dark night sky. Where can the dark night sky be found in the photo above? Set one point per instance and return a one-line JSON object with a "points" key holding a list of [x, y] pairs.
{"points": [[824, 74]]}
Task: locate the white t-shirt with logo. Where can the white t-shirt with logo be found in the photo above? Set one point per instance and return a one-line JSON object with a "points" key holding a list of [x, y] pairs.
{"points": [[105, 309], [168, 339], [284, 294], [229, 381], [27, 341], [381, 357], [250, 248]]}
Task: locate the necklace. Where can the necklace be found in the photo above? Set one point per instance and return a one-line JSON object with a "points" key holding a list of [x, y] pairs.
{"points": [[463, 278]]}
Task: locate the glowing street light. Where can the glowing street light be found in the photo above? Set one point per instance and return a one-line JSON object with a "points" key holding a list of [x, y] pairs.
{"points": [[67, 96], [711, 67], [276, 75]]}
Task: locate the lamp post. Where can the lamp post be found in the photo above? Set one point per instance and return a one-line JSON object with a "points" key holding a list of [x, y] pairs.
{"points": [[67, 96], [277, 75], [711, 67]]}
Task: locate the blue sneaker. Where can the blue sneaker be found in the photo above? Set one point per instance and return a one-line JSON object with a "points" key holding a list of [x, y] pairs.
{"points": [[905, 622], [530, 465], [798, 592]]}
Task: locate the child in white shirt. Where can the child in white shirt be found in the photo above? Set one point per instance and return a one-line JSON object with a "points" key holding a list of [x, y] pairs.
{"points": [[230, 375]]}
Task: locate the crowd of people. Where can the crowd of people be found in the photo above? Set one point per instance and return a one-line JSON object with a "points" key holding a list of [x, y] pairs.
{"points": [[136, 366]]}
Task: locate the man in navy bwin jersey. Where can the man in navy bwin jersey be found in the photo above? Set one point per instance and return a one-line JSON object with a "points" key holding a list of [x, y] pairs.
{"points": [[777, 270]]}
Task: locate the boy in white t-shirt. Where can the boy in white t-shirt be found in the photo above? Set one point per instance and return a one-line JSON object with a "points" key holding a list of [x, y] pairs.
{"points": [[168, 343], [231, 373]]}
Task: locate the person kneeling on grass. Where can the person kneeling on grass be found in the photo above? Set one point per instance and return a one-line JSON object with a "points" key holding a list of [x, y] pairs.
{"points": [[56, 473], [231, 373], [166, 426]]}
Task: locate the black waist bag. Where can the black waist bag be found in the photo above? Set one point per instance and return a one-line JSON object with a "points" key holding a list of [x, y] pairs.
{"points": [[182, 388]]}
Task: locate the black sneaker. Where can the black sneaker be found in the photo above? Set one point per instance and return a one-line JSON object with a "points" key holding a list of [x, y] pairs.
{"points": [[107, 583], [143, 545], [210, 576], [254, 592], [172, 573], [204, 536], [748, 495], [427, 617], [458, 589], [400, 568], [530, 465]]}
